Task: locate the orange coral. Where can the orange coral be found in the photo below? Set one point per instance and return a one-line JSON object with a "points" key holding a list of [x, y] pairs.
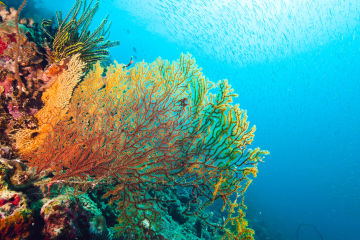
{"points": [[53, 70], [16, 226], [56, 99], [15, 217], [151, 127]]}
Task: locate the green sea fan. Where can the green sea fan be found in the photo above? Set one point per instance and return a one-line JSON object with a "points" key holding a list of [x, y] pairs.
{"points": [[73, 34]]}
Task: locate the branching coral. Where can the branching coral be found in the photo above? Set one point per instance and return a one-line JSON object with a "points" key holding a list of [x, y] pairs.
{"points": [[73, 35], [148, 128]]}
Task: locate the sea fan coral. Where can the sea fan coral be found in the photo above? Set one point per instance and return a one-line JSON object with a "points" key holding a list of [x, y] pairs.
{"points": [[148, 128]]}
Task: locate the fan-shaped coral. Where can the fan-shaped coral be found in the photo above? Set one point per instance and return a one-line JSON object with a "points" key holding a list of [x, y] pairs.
{"points": [[151, 127]]}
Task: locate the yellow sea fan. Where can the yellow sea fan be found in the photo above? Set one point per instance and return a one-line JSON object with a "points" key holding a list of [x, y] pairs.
{"points": [[56, 99]]}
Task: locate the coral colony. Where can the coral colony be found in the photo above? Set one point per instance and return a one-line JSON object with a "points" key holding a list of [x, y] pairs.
{"points": [[89, 151]]}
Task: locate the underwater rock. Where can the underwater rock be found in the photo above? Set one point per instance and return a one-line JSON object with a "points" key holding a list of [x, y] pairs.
{"points": [[6, 152], [10, 202], [20, 178], [15, 173], [175, 224], [15, 216], [97, 221], [29, 52], [61, 216], [72, 217], [5, 168]]}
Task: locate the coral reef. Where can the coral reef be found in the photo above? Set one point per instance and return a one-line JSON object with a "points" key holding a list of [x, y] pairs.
{"points": [[16, 226], [27, 81], [15, 215], [64, 218], [16, 172], [18, 106], [130, 152]]}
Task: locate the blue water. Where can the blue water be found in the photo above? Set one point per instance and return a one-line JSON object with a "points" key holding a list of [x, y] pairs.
{"points": [[296, 67]]}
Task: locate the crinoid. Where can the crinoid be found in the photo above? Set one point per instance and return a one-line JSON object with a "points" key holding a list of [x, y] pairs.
{"points": [[73, 35]]}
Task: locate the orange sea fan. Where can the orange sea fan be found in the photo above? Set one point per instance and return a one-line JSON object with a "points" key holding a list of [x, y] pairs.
{"points": [[56, 99], [147, 128]]}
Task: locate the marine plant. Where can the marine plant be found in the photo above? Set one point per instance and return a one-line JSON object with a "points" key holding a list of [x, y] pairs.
{"points": [[138, 131], [73, 34]]}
